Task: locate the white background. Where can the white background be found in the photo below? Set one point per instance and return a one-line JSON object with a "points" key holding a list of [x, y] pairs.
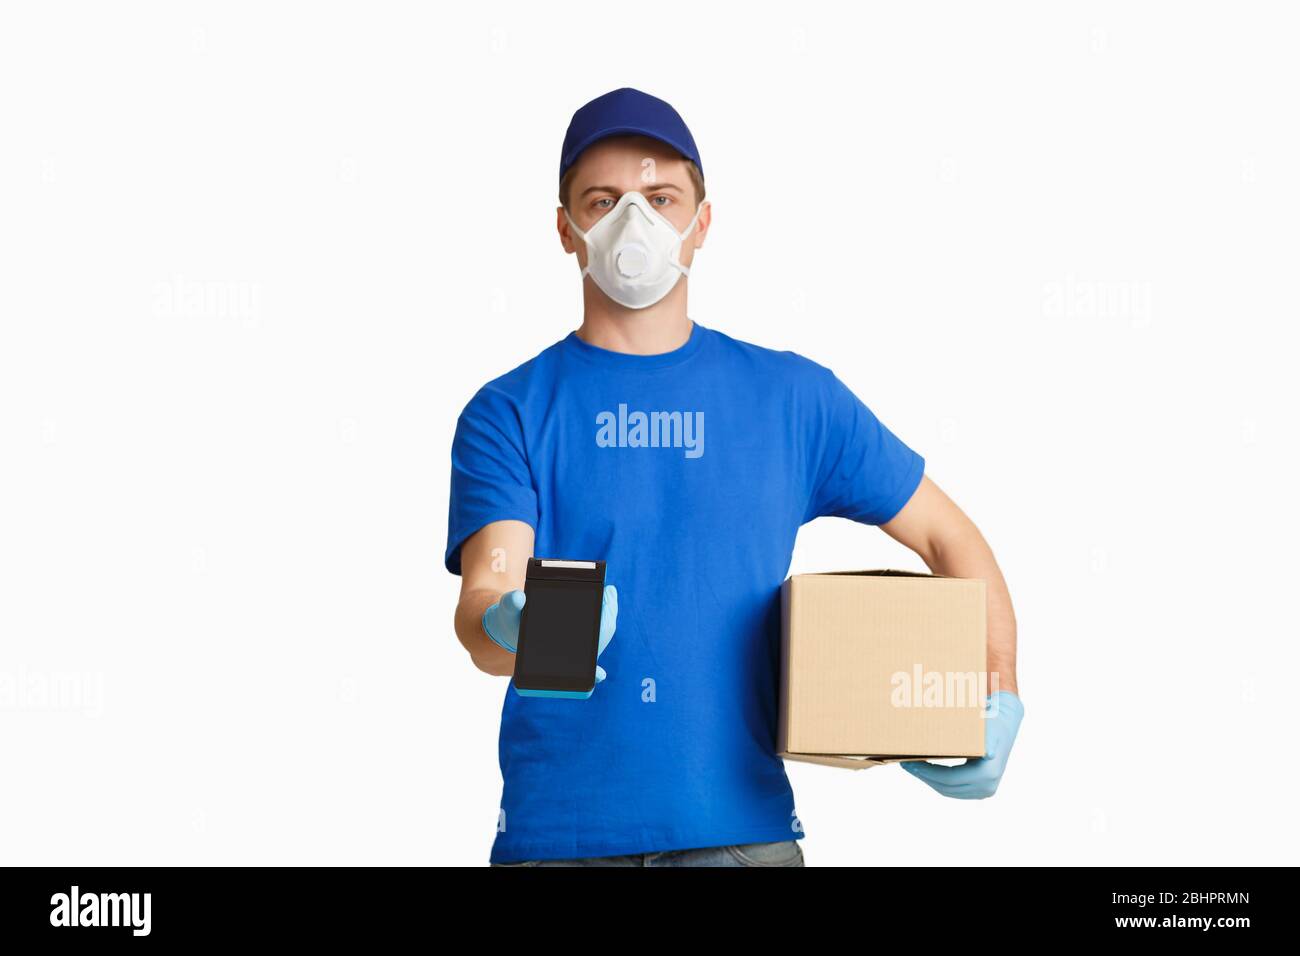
{"points": [[254, 258]]}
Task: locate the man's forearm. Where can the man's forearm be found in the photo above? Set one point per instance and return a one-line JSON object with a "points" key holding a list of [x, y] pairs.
{"points": [[967, 555], [488, 656]]}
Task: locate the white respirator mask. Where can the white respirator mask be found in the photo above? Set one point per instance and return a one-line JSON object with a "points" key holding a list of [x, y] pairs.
{"points": [[633, 252]]}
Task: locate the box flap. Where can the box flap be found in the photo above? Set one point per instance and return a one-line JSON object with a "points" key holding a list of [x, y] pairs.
{"points": [[873, 573], [829, 760], [846, 760]]}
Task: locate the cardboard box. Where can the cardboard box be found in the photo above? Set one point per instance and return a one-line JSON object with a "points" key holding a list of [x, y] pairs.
{"points": [[881, 666]]}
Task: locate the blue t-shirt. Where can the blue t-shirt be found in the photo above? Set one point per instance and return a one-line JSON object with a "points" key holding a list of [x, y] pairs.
{"points": [[689, 473]]}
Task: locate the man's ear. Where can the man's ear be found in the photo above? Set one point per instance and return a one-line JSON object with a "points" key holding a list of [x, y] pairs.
{"points": [[567, 239], [702, 224]]}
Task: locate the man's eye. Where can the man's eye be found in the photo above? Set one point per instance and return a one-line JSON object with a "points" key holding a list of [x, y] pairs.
{"points": [[601, 203], [661, 200]]}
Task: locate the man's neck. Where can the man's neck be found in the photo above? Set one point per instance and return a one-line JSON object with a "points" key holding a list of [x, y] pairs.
{"points": [[663, 327]]}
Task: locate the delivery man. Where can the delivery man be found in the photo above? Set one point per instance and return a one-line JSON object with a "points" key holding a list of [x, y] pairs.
{"points": [[686, 460]]}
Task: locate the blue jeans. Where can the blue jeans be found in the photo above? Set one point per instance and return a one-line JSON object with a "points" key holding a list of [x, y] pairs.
{"points": [[783, 853]]}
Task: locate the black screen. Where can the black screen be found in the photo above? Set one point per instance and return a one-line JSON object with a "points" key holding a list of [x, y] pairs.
{"points": [[559, 635]]}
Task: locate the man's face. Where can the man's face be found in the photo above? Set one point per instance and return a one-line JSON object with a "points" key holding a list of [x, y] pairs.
{"points": [[620, 164]]}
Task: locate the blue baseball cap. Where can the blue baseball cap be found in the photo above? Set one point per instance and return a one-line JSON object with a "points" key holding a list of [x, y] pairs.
{"points": [[626, 112]]}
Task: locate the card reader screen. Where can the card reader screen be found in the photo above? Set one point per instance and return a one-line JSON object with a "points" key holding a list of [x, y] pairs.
{"points": [[559, 636]]}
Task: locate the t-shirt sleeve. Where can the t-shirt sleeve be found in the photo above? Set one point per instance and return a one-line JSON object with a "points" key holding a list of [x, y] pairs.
{"points": [[490, 477], [860, 469]]}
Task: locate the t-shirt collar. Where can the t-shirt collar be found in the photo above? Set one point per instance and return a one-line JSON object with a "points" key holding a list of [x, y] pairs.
{"points": [[610, 358]]}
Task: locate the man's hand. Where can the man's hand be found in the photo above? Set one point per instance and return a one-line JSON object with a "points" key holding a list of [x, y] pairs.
{"points": [[978, 778], [501, 622]]}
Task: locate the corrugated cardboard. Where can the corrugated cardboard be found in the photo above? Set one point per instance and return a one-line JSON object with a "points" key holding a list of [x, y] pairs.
{"points": [[847, 636]]}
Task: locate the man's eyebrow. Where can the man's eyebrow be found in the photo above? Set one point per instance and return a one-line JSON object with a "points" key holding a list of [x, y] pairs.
{"points": [[651, 187]]}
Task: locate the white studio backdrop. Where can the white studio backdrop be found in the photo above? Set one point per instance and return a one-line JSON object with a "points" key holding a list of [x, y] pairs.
{"points": [[254, 258]]}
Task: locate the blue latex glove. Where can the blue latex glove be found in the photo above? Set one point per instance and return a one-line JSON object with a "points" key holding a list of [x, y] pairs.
{"points": [[978, 778], [501, 622]]}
